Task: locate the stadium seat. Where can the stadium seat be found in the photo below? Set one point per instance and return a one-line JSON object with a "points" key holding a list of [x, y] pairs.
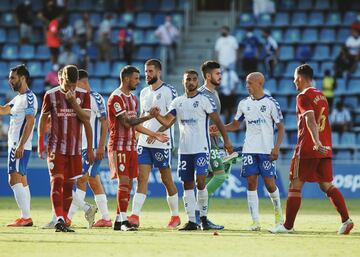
{"points": [[140, 67], [286, 53], [287, 4], [290, 68], [322, 5], [36, 69], [335, 51], [264, 20], [10, 52], [340, 87], [47, 66], [96, 85], [109, 85], [246, 20], [292, 105], [271, 86], [157, 52], [321, 53], [37, 86], [239, 34], [351, 101], [343, 155], [5, 5], [115, 69], [342, 35], [4, 69], [150, 38], [326, 66], [281, 19], [178, 20], [293, 138], [13, 36], [286, 86], [335, 138], [290, 121], [42, 53], [7, 19], [327, 35], [316, 19], [27, 52], [315, 66], [95, 18], [159, 19], [333, 19], [354, 87], [102, 69], [303, 53], [144, 20], [310, 36], [168, 5], [125, 18], [73, 17], [138, 36], [305, 5], [299, 19], [2, 35], [151, 5], [277, 35], [144, 52], [349, 18], [292, 36]]}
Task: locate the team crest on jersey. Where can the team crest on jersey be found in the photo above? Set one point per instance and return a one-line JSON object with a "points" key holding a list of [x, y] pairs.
{"points": [[201, 162], [117, 107], [139, 150], [248, 108], [196, 104], [159, 156], [180, 105], [263, 108], [51, 165], [267, 165], [78, 100], [158, 96], [122, 167]]}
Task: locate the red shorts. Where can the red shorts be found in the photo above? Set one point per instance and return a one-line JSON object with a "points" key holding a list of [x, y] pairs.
{"points": [[70, 166], [311, 170], [124, 163]]}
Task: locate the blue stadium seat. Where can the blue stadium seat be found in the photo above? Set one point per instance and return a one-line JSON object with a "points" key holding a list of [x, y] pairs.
{"points": [[140, 67], [4, 87], [322, 5], [293, 138], [351, 101], [326, 66], [348, 139], [305, 5], [340, 87], [316, 67], [277, 35], [299, 19], [13, 36], [4, 69], [246, 20], [335, 51], [286, 86], [343, 155], [144, 52], [286, 53], [42, 53], [354, 87], [310, 36], [2, 35], [178, 20], [96, 84], [102, 69], [36, 69], [157, 52], [115, 69], [95, 18], [287, 5], [150, 38], [290, 68], [292, 105], [159, 19], [144, 20], [342, 35], [321, 53], [239, 34], [138, 36], [73, 17], [349, 18], [333, 19], [316, 19], [335, 138], [290, 121], [292, 36], [10, 52], [125, 18], [27, 52], [271, 86], [281, 19], [264, 20], [47, 66], [5, 5], [303, 53], [151, 5], [168, 5], [85, 5], [37, 86], [114, 36], [327, 35], [7, 19]]}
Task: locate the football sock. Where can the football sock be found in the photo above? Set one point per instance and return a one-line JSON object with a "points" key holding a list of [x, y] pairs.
{"points": [[189, 204], [137, 203], [101, 202], [173, 202], [123, 198], [216, 181], [337, 199], [292, 207], [253, 204], [275, 199], [57, 195], [67, 195], [20, 198], [202, 201], [28, 198]]}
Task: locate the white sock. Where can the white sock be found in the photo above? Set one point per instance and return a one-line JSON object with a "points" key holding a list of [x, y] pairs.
{"points": [[275, 199], [20, 198], [79, 199], [73, 207], [118, 218], [123, 216], [60, 218], [101, 203], [138, 202], [173, 202], [202, 201], [54, 218], [28, 197], [253, 203], [190, 204]]}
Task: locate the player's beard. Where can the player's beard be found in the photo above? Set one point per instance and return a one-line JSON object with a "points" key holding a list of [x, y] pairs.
{"points": [[16, 86], [215, 83], [191, 88], [133, 87], [152, 80]]}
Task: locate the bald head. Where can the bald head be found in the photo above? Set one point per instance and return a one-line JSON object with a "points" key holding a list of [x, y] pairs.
{"points": [[256, 77], [255, 84]]}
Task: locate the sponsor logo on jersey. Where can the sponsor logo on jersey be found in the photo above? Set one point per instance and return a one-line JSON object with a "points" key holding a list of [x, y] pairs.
{"points": [[117, 107], [201, 161], [78, 101], [267, 165], [51, 165], [257, 122], [189, 121], [159, 156]]}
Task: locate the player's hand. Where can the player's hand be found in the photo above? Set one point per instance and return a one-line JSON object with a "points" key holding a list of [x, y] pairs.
{"points": [[41, 152], [150, 140], [274, 155], [70, 96], [321, 149], [19, 152], [162, 137], [154, 112], [90, 156], [228, 147], [100, 153], [213, 130]]}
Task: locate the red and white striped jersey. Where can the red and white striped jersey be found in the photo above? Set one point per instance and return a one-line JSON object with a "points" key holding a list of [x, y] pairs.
{"points": [[66, 129], [121, 138]]}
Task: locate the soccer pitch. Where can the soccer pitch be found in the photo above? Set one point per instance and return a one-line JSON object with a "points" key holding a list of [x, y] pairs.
{"points": [[315, 235]]}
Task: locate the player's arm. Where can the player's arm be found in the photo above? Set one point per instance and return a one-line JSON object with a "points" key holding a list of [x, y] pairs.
{"points": [[5, 109], [42, 128], [233, 126], [216, 119], [89, 140], [29, 126], [100, 151], [131, 122], [314, 133], [83, 115], [162, 137], [281, 133]]}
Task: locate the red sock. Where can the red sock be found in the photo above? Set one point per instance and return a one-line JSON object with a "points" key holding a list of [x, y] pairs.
{"points": [[123, 197], [56, 195], [337, 199], [67, 195], [292, 207]]}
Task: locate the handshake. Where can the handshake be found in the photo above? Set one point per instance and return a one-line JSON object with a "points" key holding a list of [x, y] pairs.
{"points": [[154, 112]]}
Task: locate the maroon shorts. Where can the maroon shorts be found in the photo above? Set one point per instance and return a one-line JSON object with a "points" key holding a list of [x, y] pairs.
{"points": [[311, 170], [70, 166], [124, 163]]}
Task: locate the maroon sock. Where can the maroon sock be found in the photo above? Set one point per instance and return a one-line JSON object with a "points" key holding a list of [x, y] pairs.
{"points": [[67, 195], [123, 197], [56, 195], [292, 207], [337, 199]]}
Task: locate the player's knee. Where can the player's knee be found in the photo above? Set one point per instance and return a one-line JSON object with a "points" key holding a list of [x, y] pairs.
{"points": [[325, 186]]}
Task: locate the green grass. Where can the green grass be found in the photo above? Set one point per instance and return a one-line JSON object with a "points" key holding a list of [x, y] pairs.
{"points": [[315, 235]]}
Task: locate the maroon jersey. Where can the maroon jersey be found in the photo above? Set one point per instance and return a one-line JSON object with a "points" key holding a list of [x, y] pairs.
{"points": [[65, 133], [121, 138], [312, 100]]}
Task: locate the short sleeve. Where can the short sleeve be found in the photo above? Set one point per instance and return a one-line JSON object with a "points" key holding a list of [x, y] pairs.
{"points": [[209, 105], [116, 106], [11, 103], [30, 105], [86, 104], [239, 116], [172, 107], [171, 95], [46, 106], [100, 106], [276, 113], [303, 104]]}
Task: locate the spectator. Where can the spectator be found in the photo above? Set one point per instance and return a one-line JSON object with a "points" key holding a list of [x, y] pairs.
{"points": [[4, 128], [328, 85], [229, 83], [340, 118], [344, 63], [24, 17], [167, 34], [303, 53], [127, 43], [263, 6], [104, 42], [49, 12], [353, 44], [271, 52], [226, 48], [66, 31], [51, 79], [250, 53], [83, 30], [53, 39], [356, 23], [67, 56]]}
